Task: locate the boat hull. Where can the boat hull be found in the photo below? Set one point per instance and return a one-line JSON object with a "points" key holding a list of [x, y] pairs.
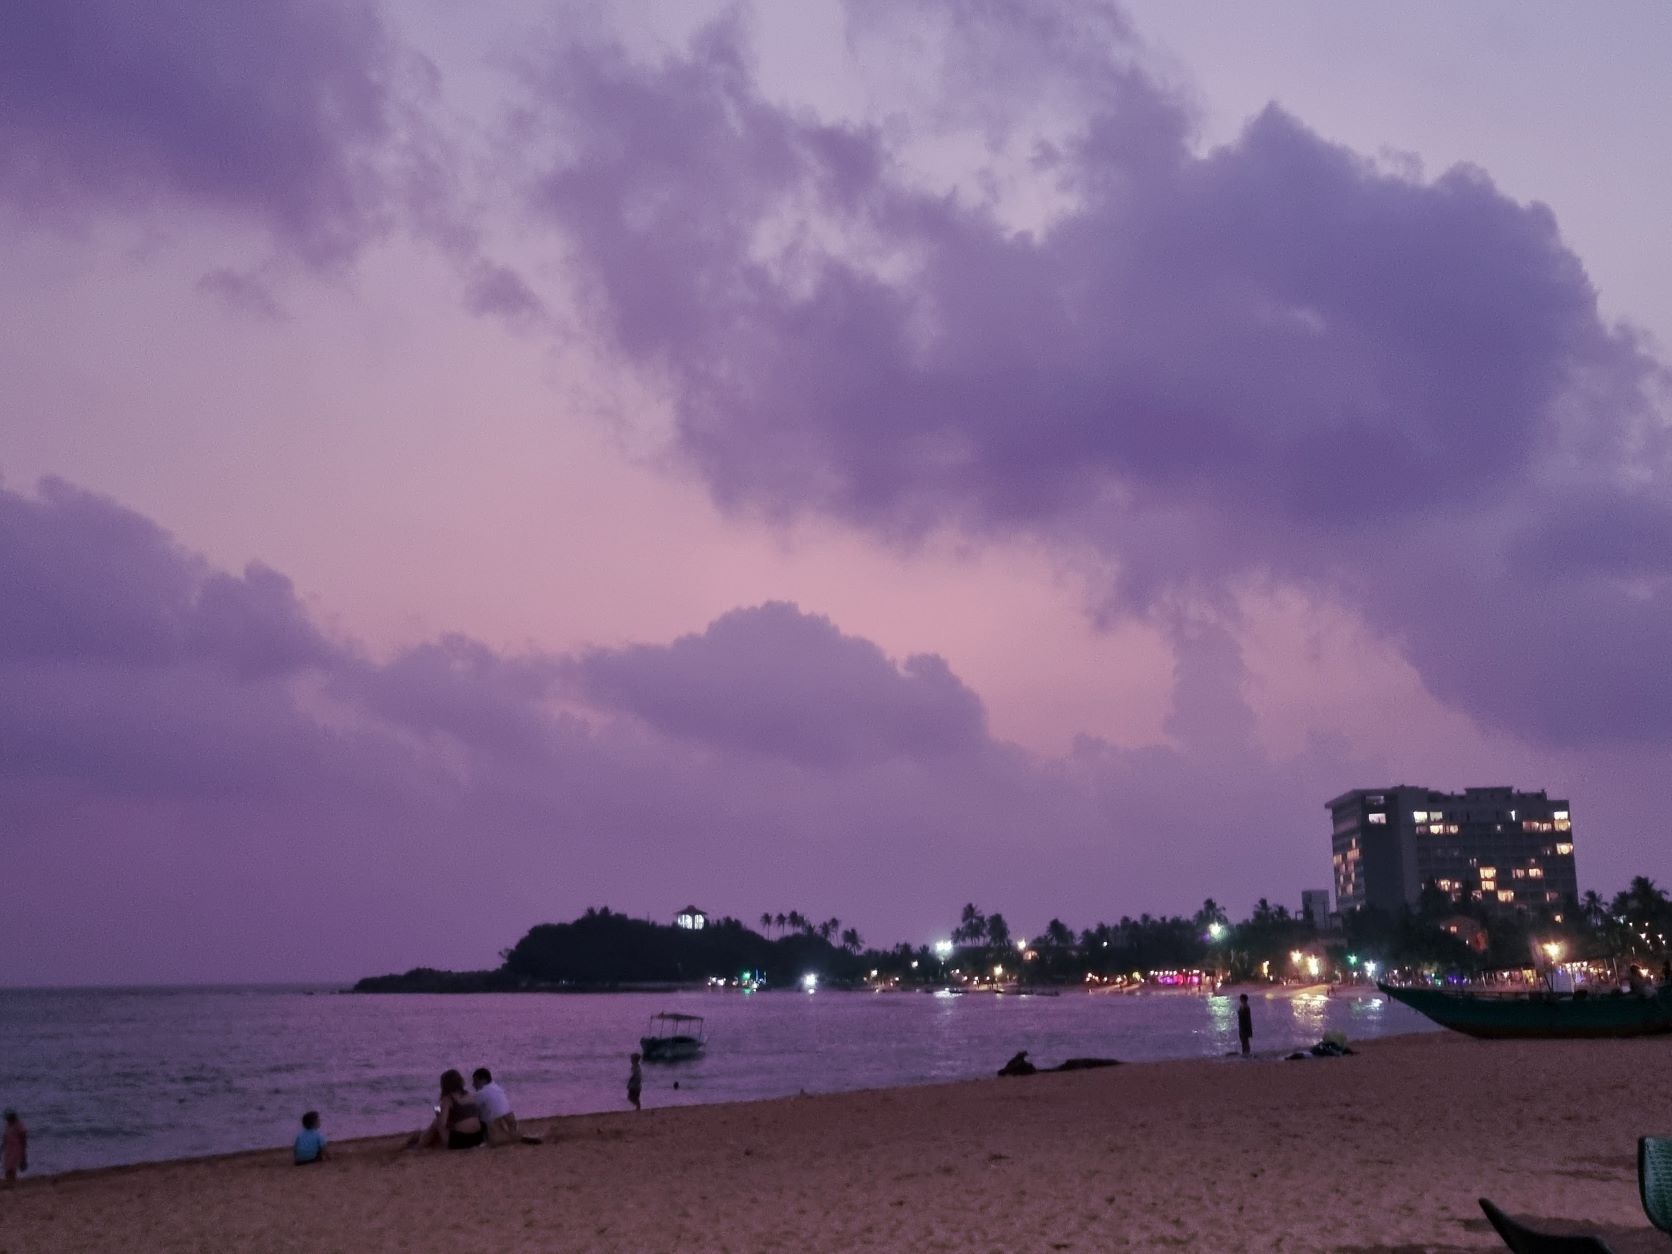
{"points": [[1536, 1015], [670, 1048]]}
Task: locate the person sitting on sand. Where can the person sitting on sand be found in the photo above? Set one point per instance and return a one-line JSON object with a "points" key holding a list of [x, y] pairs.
{"points": [[14, 1146], [495, 1109], [458, 1120], [310, 1141]]}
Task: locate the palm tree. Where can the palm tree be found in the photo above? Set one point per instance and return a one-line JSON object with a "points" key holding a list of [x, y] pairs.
{"points": [[1058, 936], [781, 920], [998, 931], [851, 941], [766, 921], [1594, 911], [972, 925], [798, 920]]}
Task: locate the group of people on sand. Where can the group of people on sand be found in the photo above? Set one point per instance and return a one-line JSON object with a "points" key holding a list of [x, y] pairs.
{"points": [[464, 1119]]}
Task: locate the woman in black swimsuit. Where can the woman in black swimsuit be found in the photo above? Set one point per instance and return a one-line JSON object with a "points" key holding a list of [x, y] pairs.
{"points": [[458, 1122]]}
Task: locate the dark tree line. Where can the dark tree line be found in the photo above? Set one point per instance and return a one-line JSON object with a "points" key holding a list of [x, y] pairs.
{"points": [[604, 949]]}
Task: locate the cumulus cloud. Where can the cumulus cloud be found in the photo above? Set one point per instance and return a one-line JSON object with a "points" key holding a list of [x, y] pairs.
{"points": [[178, 741], [1274, 359], [777, 682], [267, 109]]}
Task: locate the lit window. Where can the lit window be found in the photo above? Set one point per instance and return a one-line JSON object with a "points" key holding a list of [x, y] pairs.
{"points": [[1436, 829], [1564, 849], [1535, 872], [1506, 894], [1378, 818], [1512, 816], [1489, 872], [1419, 816], [1554, 897], [1562, 825], [1451, 829], [1520, 872], [1434, 816], [1560, 814]]}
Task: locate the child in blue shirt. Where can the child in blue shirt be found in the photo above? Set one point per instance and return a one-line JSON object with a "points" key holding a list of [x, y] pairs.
{"points": [[310, 1141]]}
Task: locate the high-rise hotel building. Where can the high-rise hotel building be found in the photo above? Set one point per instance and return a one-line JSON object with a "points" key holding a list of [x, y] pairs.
{"points": [[1493, 845]]}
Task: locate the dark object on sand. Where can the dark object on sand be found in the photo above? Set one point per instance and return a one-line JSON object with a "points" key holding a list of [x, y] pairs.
{"points": [[1538, 1013], [1323, 1049], [1525, 1240], [1019, 1065], [1654, 1179]]}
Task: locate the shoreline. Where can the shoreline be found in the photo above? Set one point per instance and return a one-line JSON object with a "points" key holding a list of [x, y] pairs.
{"points": [[1381, 1151], [530, 1121]]}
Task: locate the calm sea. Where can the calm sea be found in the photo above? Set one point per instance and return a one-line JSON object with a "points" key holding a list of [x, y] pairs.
{"points": [[117, 1076]]}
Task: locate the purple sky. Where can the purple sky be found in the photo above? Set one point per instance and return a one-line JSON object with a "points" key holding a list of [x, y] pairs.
{"points": [[856, 458]]}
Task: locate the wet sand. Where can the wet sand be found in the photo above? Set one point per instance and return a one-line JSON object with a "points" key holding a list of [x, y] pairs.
{"points": [[1383, 1151]]}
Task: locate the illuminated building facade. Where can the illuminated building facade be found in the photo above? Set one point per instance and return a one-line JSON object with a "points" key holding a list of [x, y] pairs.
{"points": [[1494, 846]]}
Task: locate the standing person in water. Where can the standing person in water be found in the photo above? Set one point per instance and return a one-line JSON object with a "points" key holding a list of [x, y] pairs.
{"points": [[1245, 1023], [14, 1146], [635, 1080]]}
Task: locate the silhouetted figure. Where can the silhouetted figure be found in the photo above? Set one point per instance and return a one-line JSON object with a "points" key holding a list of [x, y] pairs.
{"points": [[1245, 1023], [635, 1081], [1019, 1065], [1636, 985], [14, 1146]]}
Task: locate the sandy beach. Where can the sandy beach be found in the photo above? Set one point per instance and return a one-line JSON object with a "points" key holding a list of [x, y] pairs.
{"points": [[1384, 1151]]}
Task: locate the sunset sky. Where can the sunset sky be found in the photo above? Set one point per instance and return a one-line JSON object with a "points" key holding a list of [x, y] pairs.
{"points": [[462, 464]]}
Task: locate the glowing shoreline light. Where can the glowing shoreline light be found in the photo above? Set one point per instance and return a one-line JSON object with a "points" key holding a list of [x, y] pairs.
{"points": [[810, 982]]}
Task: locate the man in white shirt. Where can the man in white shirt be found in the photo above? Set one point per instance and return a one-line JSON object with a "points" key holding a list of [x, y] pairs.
{"points": [[495, 1108]]}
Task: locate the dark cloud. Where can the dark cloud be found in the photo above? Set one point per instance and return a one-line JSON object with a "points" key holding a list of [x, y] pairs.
{"points": [[1272, 359], [499, 290], [243, 293], [267, 109]]}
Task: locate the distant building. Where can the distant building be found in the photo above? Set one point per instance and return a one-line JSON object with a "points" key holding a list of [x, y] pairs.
{"points": [[1314, 907], [691, 918], [1496, 846]]}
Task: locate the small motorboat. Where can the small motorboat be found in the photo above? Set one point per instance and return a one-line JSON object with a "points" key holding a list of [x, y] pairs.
{"points": [[1539, 1013], [673, 1038]]}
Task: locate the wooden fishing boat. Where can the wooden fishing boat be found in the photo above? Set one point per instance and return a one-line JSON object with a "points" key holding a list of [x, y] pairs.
{"points": [[673, 1038], [1539, 1013]]}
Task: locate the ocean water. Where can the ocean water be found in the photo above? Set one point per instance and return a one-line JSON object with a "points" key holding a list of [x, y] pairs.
{"points": [[107, 1076]]}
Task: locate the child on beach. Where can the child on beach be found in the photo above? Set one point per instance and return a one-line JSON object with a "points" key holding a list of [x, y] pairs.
{"points": [[310, 1141], [14, 1146], [634, 1081], [1245, 1023]]}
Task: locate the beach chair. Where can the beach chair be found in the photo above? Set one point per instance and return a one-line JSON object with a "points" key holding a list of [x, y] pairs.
{"points": [[1654, 1179], [1524, 1240]]}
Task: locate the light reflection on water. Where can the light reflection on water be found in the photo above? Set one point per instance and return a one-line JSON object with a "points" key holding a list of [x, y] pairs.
{"points": [[121, 1076]]}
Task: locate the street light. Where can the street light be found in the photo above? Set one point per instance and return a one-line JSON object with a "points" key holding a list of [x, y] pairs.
{"points": [[1216, 929]]}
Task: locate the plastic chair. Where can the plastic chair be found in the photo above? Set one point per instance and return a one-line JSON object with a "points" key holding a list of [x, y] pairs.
{"points": [[1525, 1240], [1654, 1179]]}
